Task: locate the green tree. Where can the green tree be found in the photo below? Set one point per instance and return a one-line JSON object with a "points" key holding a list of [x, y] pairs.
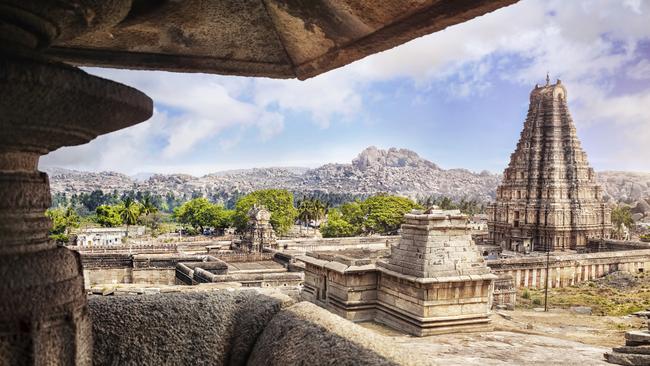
{"points": [[621, 216], [62, 221], [152, 221], [108, 216], [279, 202], [336, 226], [199, 213], [384, 213], [311, 209], [224, 218], [352, 212], [129, 211], [148, 205]]}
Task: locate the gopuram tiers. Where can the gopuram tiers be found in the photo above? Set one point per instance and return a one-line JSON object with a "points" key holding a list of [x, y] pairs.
{"points": [[549, 198]]}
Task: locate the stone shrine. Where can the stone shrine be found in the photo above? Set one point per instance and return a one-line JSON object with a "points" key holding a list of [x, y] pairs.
{"points": [[259, 233], [434, 281], [549, 198]]}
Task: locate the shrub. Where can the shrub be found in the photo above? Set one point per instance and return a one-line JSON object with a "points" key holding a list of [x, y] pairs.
{"points": [[525, 294], [537, 301]]}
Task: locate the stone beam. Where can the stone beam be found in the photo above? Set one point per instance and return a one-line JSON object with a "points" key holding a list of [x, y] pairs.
{"points": [[272, 38]]}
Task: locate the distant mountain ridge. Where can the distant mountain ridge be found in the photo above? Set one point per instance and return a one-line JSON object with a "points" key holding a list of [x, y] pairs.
{"points": [[395, 171]]}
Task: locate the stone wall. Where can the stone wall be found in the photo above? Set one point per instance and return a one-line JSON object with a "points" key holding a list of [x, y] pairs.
{"points": [[115, 268], [608, 245], [570, 269], [326, 244], [135, 248], [242, 257]]}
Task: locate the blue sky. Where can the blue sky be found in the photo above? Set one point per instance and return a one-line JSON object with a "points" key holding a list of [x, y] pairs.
{"points": [[457, 97]]}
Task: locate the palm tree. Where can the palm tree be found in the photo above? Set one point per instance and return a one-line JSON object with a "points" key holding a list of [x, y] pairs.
{"points": [[311, 209], [621, 216], [148, 206], [304, 211], [130, 212]]}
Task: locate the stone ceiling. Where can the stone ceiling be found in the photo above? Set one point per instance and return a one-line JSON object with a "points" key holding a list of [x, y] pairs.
{"points": [[272, 38]]}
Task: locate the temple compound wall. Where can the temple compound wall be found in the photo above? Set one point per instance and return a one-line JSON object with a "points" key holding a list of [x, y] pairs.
{"points": [[434, 281], [549, 198], [570, 269]]}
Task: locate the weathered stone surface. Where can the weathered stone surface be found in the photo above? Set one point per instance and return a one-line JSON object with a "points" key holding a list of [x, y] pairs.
{"points": [[637, 337], [645, 350], [435, 244], [549, 198], [259, 232], [628, 359], [584, 310], [46, 105], [262, 37], [215, 328], [305, 334]]}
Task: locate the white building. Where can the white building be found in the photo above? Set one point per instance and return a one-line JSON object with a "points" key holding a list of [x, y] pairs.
{"points": [[106, 235]]}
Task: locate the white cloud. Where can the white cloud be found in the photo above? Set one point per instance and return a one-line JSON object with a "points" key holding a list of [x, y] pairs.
{"points": [[586, 43], [640, 71]]}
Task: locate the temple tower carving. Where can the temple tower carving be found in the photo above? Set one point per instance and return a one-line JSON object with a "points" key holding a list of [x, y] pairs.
{"points": [[259, 233], [549, 198]]}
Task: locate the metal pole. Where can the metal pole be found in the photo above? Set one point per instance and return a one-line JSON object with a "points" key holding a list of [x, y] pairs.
{"points": [[546, 282]]}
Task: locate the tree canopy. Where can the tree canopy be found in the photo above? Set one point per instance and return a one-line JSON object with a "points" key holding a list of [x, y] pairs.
{"points": [[129, 211], [279, 202], [621, 216], [311, 209], [200, 213], [384, 214], [381, 214], [108, 216], [336, 226], [62, 221]]}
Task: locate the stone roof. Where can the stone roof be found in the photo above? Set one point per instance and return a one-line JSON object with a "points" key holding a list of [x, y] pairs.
{"points": [[272, 38]]}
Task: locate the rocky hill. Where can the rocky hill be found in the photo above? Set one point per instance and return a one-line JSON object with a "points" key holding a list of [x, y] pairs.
{"points": [[396, 171]]}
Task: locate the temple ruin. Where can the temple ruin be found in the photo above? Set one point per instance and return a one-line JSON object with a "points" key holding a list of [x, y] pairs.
{"points": [[549, 198], [433, 281], [48, 103], [259, 234]]}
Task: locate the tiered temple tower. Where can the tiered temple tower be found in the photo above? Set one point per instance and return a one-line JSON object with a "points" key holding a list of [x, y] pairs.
{"points": [[260, 233], [549, 198]]}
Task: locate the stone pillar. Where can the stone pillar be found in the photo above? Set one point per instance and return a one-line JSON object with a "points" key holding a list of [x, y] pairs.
{"points": [[45, 105]]}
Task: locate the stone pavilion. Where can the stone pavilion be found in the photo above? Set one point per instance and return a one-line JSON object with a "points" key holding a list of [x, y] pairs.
{"points": [[434, 281]]}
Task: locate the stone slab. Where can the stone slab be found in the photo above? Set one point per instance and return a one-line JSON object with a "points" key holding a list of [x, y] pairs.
{"points": [[628, 359]]}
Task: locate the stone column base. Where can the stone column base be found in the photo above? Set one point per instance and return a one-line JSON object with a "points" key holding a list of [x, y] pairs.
{"points": [[43, 314]]}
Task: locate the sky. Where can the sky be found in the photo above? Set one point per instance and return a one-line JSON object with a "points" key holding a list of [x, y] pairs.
{"points": [[457, 97]]}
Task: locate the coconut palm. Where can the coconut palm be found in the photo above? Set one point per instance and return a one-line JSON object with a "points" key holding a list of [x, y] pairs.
{"points": [[130, 212], [148, 206]]}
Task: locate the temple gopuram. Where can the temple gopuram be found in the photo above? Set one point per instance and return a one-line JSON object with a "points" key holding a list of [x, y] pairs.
{"points": [[549, 198]]}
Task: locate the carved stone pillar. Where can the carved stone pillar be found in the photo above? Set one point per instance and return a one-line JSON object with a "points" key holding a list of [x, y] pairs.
{"points": [[43, 106]]}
